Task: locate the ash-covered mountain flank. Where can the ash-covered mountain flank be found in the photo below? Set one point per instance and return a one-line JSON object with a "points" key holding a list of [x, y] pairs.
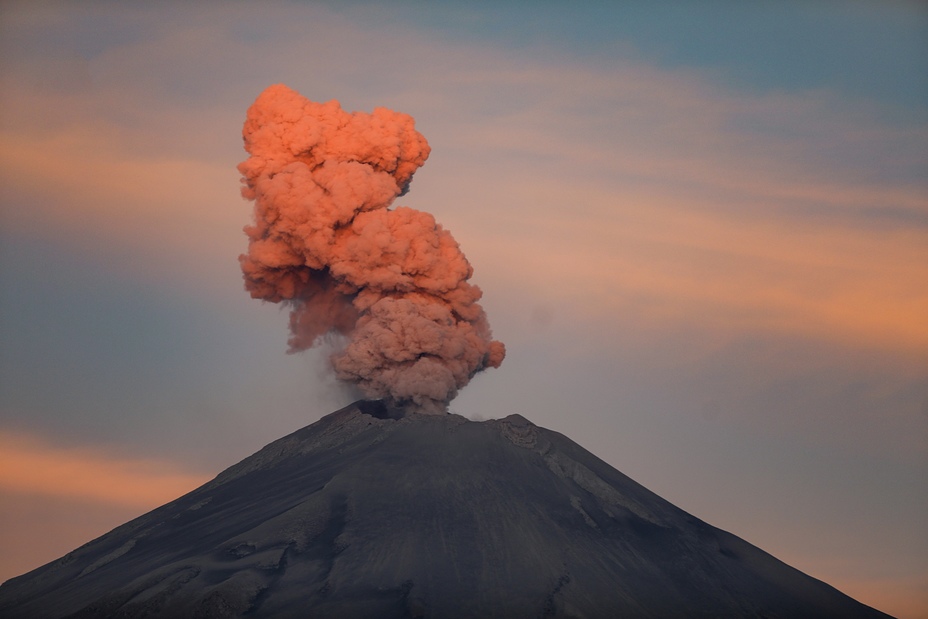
{"points": [[373, 513]]}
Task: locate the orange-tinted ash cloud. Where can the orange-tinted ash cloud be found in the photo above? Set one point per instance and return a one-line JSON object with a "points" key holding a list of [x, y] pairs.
{"points": [[326, 243]]}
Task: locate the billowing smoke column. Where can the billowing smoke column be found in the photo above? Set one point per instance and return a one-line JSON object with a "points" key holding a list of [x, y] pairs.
{"points": [[394, 282]]}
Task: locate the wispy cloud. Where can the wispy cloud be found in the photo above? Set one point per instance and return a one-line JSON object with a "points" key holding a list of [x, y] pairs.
{"points": [[31, 466], [801, 212]]}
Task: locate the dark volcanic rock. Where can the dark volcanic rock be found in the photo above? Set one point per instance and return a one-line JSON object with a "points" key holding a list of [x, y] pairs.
{"points": [[369, 513]]}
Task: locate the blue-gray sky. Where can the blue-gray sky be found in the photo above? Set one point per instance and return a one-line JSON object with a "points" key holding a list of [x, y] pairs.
{"points": [[701, 229]]}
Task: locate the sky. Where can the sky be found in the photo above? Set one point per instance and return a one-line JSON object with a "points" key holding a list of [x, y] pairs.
{"points": [[701, 230]]}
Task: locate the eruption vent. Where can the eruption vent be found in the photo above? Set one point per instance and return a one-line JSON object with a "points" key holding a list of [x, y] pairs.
{"points": [[324, 241]]}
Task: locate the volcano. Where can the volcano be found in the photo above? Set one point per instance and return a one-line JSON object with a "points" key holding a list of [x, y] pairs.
{"points": [[372, 512]]}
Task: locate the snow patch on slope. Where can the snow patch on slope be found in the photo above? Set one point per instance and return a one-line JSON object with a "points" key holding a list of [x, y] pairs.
{"points": [[108, 558]]}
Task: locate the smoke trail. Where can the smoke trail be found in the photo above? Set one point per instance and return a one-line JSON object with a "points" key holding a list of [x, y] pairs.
{"points": [[324, 242]]}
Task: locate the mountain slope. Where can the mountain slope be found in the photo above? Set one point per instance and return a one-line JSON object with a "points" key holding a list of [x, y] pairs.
{"points": [[368, 513]]}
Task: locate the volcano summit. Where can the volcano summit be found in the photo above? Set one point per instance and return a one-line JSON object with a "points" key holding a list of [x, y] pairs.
{"points": [[373, 512]]}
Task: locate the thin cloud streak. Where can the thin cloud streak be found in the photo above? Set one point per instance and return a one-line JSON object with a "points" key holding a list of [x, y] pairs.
{"points": [[31, 466], [683, 264]]}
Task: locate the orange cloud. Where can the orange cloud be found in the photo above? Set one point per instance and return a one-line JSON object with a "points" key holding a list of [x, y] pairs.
{"points": [[656, 256], [872, 299], [32, 466], [647, 197]]}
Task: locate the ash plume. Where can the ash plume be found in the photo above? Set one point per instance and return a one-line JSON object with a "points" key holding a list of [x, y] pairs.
{"points": [[326, 243]]}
